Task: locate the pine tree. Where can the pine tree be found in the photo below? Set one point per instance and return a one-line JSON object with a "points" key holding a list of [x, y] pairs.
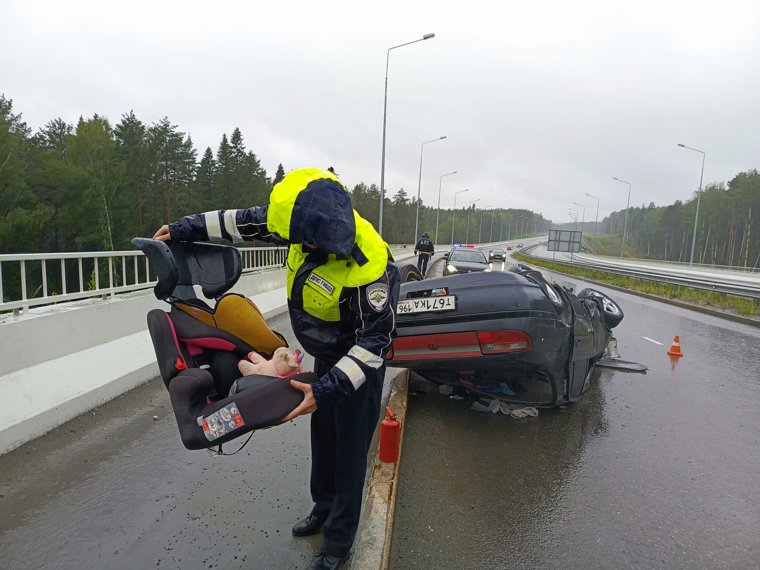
{"points": [[22, 216], [223, 176], [175, 170], [132, 149], [204, 180], [279, 175], [93, 152]]}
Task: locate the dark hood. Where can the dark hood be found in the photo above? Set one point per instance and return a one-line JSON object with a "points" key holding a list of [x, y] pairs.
{"points": [[323, 216]]}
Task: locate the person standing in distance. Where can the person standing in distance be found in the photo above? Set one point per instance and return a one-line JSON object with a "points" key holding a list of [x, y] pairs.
{"points": [[425, 249], [342, 290]]}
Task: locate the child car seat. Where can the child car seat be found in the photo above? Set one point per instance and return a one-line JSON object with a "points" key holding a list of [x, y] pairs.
{"points": [[198, 346]]}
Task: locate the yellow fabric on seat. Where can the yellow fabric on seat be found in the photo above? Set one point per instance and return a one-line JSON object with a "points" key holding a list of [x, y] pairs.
{"points": [[241, 317]]}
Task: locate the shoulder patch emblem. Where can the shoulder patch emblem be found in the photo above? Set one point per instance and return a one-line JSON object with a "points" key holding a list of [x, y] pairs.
{"points": [[377, 296], [322, 283]]}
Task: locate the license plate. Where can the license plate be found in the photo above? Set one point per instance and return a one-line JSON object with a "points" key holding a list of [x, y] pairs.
{"points": [[426, 305]]}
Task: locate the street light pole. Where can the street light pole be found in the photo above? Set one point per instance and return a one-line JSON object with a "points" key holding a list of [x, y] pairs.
{"points": [[438, 211], [699, 194], [454, 214], [467, 233], [583, 215], [627, 205], [596, 220], [419, 188], [490, 233], [385, 115], [575, 217]]}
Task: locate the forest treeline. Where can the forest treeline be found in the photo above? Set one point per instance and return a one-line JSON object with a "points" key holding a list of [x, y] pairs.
{"points": [[727, 233], [93, 186]]}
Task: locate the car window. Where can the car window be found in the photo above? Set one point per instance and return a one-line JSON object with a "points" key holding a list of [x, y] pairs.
{"points": [[469, 255]]}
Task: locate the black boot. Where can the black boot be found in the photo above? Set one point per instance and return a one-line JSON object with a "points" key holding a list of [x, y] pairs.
{"points": [[326, 562], [310, 525]]}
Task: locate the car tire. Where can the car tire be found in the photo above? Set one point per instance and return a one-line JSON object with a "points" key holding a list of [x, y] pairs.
{"points": [[612, 312], [409, 273]]}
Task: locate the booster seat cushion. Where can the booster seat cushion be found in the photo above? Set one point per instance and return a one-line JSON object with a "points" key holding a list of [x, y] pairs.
{"points": [[239, 316], [264, 402]]}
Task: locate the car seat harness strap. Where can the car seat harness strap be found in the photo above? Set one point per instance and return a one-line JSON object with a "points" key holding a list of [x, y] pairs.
{"points": [[179, 363]]}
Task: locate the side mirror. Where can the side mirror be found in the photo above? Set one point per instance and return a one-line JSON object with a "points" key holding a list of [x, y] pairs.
{"points": [[446, 255]]}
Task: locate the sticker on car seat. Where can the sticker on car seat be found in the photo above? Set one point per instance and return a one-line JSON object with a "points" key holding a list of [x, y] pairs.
{"points": [[221, 422], [377, 295]]}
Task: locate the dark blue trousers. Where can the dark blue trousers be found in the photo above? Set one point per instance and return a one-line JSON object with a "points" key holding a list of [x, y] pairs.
{"points": [[422, 263], [340, 439]]}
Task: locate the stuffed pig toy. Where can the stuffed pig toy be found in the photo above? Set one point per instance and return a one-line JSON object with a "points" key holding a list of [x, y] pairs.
{"points": [[283, 363]]}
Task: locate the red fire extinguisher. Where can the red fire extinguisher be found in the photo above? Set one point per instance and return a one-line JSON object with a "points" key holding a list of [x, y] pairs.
{"points": [[390, 428]]}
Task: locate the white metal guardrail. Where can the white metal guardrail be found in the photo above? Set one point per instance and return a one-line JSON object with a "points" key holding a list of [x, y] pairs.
{"points": [[36, 279], [733, 283], [731, 280]]}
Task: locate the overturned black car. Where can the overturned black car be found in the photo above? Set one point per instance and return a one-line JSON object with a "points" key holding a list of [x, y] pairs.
{"points": [[511, 335]]}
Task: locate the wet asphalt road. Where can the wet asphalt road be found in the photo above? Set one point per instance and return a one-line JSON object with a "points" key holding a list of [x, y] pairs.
{"points": [[655, 470], [116, 489]]}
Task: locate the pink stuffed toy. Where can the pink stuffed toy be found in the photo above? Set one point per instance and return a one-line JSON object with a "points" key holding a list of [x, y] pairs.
{"points": [[282, 364]]}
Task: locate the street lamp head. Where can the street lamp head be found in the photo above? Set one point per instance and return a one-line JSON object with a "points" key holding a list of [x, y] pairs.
{"points": [[614, 178], [443, 137], [428, 36], [683, 145]]}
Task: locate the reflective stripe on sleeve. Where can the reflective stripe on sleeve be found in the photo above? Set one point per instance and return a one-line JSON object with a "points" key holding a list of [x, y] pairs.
{"points": [[230, 225], [351, 369], [365, 356], [213, 229]]}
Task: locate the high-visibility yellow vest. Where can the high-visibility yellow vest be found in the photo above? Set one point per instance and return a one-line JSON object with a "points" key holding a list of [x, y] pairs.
{"points": [[323, 287]]}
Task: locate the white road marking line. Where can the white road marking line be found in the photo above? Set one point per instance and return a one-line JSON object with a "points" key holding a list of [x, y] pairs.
{"points": [[652, 340]]}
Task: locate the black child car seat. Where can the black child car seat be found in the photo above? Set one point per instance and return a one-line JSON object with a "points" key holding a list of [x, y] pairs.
{"points": [[198, 346]]}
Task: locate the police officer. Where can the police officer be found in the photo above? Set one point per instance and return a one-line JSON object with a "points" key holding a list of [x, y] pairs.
{"points": [[342, 291], [426, 249]]}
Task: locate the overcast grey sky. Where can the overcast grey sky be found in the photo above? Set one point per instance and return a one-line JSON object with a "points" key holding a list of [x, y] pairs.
{"points": [[541, 102]]}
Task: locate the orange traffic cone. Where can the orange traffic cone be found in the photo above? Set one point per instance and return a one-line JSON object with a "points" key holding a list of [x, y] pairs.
{"points": [[675, 348]]}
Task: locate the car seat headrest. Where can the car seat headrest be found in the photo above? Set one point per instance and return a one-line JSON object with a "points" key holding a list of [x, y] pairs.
{"points": [[179, 266]]}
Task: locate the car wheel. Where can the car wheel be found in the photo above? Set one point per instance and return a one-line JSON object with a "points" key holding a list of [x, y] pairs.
{"points": [[409, 273], [612, 312]]}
